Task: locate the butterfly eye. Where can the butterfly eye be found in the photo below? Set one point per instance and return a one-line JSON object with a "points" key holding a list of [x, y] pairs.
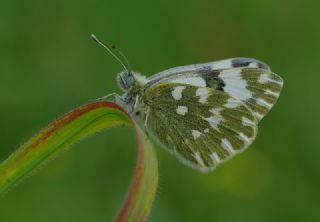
{"points": [[125, 80]]}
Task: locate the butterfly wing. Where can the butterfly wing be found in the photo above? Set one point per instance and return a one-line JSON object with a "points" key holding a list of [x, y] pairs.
{"points": [[247, 79], [258, 88], [207, 67], [201, 126]]}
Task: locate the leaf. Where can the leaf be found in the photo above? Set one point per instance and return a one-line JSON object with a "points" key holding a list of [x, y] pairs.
{"points": [[74, 126]]}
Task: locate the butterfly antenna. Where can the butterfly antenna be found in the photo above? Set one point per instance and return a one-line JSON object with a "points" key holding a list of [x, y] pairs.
{"points": [[122, 55], [94, 38]]}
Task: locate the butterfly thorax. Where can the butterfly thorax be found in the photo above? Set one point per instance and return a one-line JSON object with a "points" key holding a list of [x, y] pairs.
{"points": [[132, 84]]}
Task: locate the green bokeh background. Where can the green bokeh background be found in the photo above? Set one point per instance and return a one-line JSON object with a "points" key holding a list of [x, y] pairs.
{"points": [[48, 66]]}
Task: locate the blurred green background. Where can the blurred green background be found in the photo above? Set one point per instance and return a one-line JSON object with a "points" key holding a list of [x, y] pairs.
{"points": [[48, 66]]}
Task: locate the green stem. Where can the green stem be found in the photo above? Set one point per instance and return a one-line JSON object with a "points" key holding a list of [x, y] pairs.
{"points": [[74, 126]]}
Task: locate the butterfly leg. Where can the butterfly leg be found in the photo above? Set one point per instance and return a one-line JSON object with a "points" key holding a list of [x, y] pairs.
{"points": [[135, 109], [136, 103], [146, 122], [146, 119], [114, 96], [120, 100]]}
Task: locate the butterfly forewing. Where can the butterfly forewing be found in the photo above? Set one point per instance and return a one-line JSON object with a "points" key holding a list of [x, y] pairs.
{"points": [[258, 88], [201, 125], [185, 71]]}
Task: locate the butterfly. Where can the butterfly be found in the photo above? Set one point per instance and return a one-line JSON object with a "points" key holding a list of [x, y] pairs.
{"points": [[204, 114]]}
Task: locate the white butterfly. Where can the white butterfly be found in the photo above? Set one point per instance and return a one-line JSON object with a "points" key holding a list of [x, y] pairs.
{"points": [[204, 113]]}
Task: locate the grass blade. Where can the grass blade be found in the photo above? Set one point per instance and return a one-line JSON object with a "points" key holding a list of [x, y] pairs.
{"points": [[74, 126]]}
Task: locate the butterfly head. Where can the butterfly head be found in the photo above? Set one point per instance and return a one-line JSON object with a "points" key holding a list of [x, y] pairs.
{"points": [[126, 80]]}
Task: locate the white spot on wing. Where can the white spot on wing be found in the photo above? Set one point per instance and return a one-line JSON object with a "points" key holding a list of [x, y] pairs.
{"points": [[247, 122], [232, 103], [258, 115], [214, 121], [235, 84], [264, 78], [244, 138], [177, 92], [196, 81], [269, 92], [196, 134], [216, 111], [199, 159], [206, 130], [214, 156], [203, 93], [182, 110], [227, 145], [280, 82], [264, 103]]}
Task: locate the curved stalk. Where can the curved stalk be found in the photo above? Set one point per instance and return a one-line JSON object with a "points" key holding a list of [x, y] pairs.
{"points": [[74, 126]]}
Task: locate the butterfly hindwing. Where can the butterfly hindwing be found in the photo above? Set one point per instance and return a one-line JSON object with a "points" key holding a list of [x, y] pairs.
{"points": [[201, 126]]}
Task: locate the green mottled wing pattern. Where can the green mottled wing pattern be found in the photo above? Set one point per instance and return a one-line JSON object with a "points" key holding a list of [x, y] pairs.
{"points": [[201, 126], [258, 88]]}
